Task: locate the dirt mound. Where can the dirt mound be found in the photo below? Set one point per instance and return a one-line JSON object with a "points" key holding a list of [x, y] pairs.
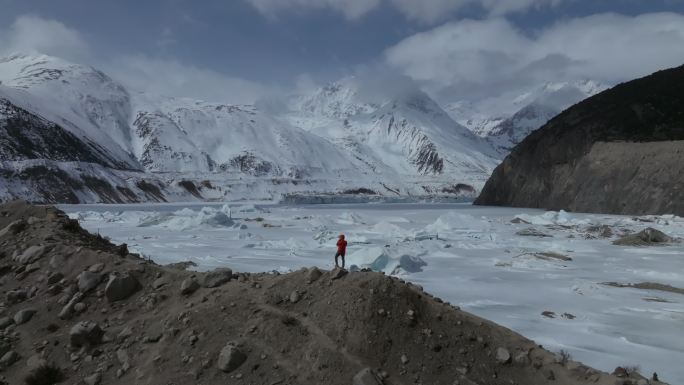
{"points": [[646, 237], [81, 310]]}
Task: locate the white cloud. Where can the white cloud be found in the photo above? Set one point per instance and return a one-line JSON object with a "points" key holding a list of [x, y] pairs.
{"points": [[421, 10], [170, 77], [478, 59], [34, 34]]}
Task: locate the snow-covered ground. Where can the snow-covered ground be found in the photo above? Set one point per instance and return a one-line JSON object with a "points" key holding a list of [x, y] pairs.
{"points": [[469, 256]]}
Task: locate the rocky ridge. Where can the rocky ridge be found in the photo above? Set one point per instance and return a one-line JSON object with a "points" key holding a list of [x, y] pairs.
{"points": [[617, 152], [80, 310]]}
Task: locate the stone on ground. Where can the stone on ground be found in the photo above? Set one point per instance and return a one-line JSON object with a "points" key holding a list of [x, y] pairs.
{"points": [[230, 358], [121, 286]]}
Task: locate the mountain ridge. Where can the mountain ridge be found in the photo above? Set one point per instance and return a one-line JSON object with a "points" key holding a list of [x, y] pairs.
{"points": [[407, 145]]}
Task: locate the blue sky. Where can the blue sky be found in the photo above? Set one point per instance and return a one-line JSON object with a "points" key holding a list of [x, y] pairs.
{"points": [[264, 45]]}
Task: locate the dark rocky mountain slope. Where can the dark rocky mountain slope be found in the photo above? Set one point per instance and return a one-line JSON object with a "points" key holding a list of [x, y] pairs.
{"points": [[621, 152]]}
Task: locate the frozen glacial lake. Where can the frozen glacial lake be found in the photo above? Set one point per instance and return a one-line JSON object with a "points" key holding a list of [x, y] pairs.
{"points": [[470, 256]]}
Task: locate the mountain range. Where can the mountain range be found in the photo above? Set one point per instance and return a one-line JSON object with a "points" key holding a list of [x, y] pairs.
{"points": [[69, 133]]}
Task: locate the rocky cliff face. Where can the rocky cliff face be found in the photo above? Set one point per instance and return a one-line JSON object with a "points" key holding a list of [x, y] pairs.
{"points": [[620, 152]]}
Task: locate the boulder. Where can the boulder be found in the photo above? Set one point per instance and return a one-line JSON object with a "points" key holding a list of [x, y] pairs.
{"points": [[121, 286], [366, 377], [88, 281], [230, 358], [13, 228], [93, 379], [4, 347], [31, 254], [35, 362], [294, 296], [160, 282], [85, 333], [8, 359], [96, 268], [646, 237], [5, 322], [23, 316], [314, 274], [16, 296], [338, 273], [54, 278], [218, 277], [189, 286], [68, 308], [503, 356]]}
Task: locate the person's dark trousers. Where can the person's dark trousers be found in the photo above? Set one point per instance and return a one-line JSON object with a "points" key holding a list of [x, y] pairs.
{"points": [[338, 254]]}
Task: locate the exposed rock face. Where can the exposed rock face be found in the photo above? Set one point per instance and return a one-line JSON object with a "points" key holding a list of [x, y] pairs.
{"points": [[618, 152]]}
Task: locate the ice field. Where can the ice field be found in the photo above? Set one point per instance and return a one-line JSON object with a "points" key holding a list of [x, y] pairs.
{"points": [[470, 256]]}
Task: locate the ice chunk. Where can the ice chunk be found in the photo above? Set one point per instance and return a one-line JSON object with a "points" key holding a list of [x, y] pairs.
{"points": [[452, 222], [386, 260], [351, 218], [186, 219], [388, 229], [550, 218]]}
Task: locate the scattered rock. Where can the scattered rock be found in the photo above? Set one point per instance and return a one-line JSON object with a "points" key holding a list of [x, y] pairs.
{"points": [[189, 286], [230, 358], [521, 359], [5, 322], [23, 316], [31, 267], [294, 296], [366, 377], [181, 265], [314, 274], [124, 360], [160, 282], [13, 228], [8, 359], [218, 277], [646, 237], [550, 375], [16, 296], [96, 268], [404, 359], [31, 254], [54, 278], [85, 333], [68, 308], [532, 232], [88, 281], [338, 273], [80, 307], [93, 379], [503, 356], [35, 361], [121, 286], [548, 314]]}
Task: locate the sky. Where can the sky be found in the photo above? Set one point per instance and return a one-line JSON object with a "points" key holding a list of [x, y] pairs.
{"points": [[241, 50]]}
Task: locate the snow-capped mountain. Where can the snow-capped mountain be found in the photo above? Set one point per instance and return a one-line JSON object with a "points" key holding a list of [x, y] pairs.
{"points": [[408, 132], [82, 99], [119, 145], [531, 111]]}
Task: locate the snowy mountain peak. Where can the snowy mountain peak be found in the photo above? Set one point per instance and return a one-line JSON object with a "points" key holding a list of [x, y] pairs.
{"points": [[79, 97], [339, 100]]}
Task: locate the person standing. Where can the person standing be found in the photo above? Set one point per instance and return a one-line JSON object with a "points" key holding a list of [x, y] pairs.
{"points": [[341, 250]]}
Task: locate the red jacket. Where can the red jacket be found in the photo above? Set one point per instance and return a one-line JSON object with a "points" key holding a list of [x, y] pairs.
{"points": [[341, 245]]}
